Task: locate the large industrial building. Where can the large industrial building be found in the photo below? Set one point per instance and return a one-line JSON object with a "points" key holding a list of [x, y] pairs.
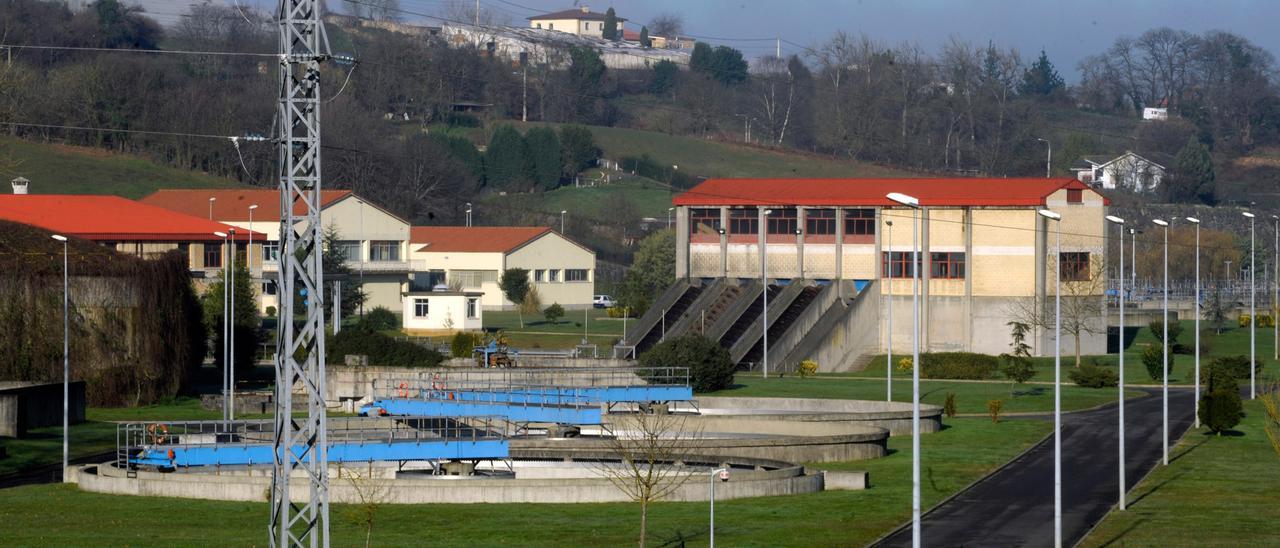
{"points": [[837, 255]]}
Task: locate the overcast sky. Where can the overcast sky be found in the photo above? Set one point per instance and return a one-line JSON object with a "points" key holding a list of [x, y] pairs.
{"points": [[1068, 30]]}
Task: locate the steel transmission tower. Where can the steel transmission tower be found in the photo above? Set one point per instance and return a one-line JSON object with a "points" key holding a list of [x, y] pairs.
{"points": [[300, 444]]}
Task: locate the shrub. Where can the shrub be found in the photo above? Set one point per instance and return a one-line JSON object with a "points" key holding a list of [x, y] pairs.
{"points": [[380, 319], [1157, 329], [1224, 372], [1091, 375], [1017, 368], [463, 344], [271, 311], [994, 407], [1244, 321], [904, 364], [958, 365], [553, 313], [617, 312], [807, 368], [381, 349], [949, 405], [1152, 357], [710, 368], [1221, 410]]}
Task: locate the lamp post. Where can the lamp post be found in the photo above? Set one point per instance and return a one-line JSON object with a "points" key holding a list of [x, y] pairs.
{"points": [[1120, 350], [468, 214], [1048, 162], [66, 357], [1253, 312], [723, 475], [1057, 383], [1164, 338], [764, 280], [212, 199], [562, 214], [669, 211], [1275, 299], [225, 378], [248, 254], [1196, 222], [888, 366], [914, 204], [360, 247], [231, 352]]}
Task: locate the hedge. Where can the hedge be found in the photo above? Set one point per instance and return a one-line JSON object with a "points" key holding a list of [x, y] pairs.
{"points": [[958, 365], [381, 349]]}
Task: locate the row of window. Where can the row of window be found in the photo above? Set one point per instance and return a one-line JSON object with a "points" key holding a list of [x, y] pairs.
{"points": [[945, 265], [422, 308], [379, 251], [785, 220], [553, 275]]}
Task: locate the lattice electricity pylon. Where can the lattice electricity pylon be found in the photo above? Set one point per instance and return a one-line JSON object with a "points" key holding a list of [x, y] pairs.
{"points": [[300, 444]]}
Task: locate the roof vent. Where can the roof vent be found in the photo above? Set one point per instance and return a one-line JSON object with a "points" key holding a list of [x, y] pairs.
{"points": [[20, 185]]}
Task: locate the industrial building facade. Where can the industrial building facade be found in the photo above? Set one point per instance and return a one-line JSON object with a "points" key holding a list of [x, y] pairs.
{"points": [[985, 253]]}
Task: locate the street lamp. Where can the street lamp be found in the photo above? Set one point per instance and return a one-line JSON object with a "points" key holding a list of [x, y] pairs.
{"points": [[764, 280], [723, 475], [914, 204], [1275, 300], [1120, 350], [562, 213], [888, 366], [212, 199], [360, 247], [1057, 383], [1164, 339], [231, 352], [468, 214], [66, 358], [669, 211], [225, 378], [1196, 222], [1048, 162], [1253, 313], [249, 250]]}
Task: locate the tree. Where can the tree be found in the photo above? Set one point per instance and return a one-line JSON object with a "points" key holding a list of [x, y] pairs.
{"points": [[372, 494], [667, 25], [1216, 309], [1081, 305], [664, 77], [648, 455], [246, 323], [1220, 407], [1041, 79], [1193, 177], [504, 161], [1018, 367], [651, 272], [333, 259], [710, 368], [1153, 358], [515, 286], [121, 26], [722, 63], [579, 149], [584, 86], [610, 29], [543, 148], [644, 38], [553, 313], [1271, 419]]}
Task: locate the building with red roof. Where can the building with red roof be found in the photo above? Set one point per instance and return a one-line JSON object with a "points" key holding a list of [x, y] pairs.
{"points": [[473, 259], [984, 253]]}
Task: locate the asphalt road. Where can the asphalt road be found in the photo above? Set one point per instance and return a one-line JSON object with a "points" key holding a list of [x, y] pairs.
{"points": [[1014, 506]]}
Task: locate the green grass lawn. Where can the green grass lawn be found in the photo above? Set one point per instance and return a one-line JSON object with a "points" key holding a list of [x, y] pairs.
{"points": [[60, 169], [971, 397], [1216, 491], [649, 199], [62, 515], [565, 333], [1231, 342]]}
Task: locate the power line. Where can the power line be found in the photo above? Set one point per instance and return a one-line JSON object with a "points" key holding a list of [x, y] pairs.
{"points": [[133, 131], [143, 51]]}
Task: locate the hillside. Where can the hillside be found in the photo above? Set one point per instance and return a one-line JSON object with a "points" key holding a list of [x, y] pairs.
{"points": [[62, 169]]}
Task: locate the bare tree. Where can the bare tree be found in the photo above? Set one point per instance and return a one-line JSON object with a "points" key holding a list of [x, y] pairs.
{"points": [[1271, 418], [372, 494], [1081, 303], [666, 25], [649, 447]]}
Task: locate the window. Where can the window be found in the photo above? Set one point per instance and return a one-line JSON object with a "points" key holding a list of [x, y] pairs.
{"points": [[820, 221], [539, 275], [553, 275], [782, 220], [347, 249], [575, 275], [421, 307], [1075, 196], [472, 278], [212, 255], [744, 221], [551, 26], [704, 221], [947, 265], [897, 264], [384, 250], [1074, 266], [860, 222], [473, 308], [539, 25], [271, 252], [268, 288]]}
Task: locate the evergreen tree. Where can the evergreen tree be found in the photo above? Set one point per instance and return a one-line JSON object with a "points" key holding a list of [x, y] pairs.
{"points": [[504, 161], [610, 30], [644, 38], [462, 149], [1194, 177], [543, 156], [333, 260], [664, 77], [245, 322], [703, 59], [1041, 79], [578, 149], [729, 66]]}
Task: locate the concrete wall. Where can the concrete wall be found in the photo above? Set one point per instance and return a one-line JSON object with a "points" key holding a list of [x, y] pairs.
{"points": [[855, 335], [24, 406], [892, 416]]}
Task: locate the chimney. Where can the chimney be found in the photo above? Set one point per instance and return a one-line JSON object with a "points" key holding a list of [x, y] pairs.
{"points": [[20, 185], [586, 8]]}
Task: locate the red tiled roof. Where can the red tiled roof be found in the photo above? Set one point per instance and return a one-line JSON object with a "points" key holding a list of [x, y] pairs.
{"points": [[233, 204], [1024, 192], [109, 218], [630, 35], [477, 239], [574, 13]]}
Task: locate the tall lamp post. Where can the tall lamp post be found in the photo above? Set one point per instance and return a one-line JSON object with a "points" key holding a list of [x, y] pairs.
{"points": [[764, 279], [1275, 299], [1164, 338], [468, 214], [670, 210], [914, 204], [212, 199], [225, 378], [1196, 222], [1048, 161], [888, 366], [1253, 312], [1120, 350], [231, 322], [66, 357], [723, 475], [1057, 383], [562, 214]]}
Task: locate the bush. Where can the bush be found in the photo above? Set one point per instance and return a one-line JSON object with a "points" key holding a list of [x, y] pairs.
{"points": [[994, 407], [464, 343], [271, 311], [949, 405], [1224, 372], [380, 319], [1091, 375], [710, 368], [1157, 329], [958, 365], [1221, 410], [617, 312], [1152, 357], [904, 364], [553, 313], [807, 368], [381, 349]]}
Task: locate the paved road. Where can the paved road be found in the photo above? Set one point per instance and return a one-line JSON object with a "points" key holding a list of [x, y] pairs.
{"points": [[1014, 507]]}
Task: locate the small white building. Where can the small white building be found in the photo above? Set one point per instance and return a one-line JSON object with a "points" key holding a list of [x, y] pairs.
{"points": [[1155, 113], [473, 258], [1129, 171], [581, 21], [442, 311]]}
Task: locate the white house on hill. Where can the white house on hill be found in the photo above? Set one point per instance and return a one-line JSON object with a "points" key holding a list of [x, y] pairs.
{"points": [[1129, 171]]}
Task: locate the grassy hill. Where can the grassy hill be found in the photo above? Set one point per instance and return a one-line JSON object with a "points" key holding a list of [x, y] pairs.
{"points": [[62, 169]]}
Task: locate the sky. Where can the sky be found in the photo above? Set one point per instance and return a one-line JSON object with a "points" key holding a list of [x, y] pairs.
{"points": [[1068, 30]]}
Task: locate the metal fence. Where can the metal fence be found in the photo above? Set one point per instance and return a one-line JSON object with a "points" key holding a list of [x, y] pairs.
{"points": [[1229, 290]]}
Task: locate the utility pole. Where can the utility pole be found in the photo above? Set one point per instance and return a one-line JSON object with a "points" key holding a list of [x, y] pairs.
{"points": [[777, 49], [477, 13], [300, 445], [524, 87]]}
